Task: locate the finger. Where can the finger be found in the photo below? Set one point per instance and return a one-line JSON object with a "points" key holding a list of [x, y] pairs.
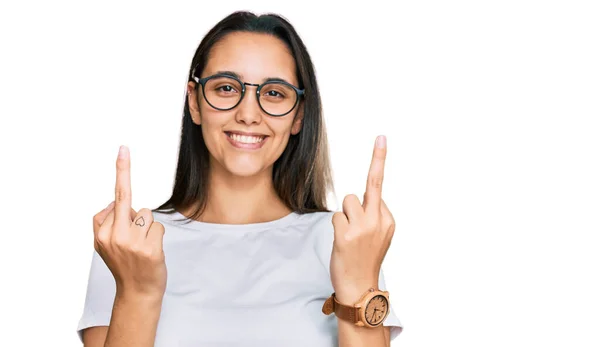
{"points": [[389, 226], [387, 220], [104, 234], [372, 199], [155, 234], [123, 187], [110, 219], [101, 216], [352, 208], [340, 225], [132, 214], [142, 222]]}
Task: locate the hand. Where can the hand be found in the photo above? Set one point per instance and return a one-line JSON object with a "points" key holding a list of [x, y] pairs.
{"points": [[362, 235], [130, 243]]}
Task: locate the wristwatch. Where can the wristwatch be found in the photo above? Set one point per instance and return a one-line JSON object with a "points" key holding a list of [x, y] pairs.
{"points": [[369, 311]]}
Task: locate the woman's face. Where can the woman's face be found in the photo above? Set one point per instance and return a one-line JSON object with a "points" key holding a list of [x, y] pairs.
{"points": [[254, 58]]}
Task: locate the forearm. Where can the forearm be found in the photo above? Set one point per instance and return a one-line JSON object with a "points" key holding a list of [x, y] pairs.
{"points": [[134, 321], [351, 335]]}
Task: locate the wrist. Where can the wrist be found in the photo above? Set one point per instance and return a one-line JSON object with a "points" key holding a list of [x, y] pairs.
{"points": [[130, 297], [349, 295]]}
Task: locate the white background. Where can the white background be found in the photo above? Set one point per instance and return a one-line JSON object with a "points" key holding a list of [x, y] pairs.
{"points": [[490, 107]]}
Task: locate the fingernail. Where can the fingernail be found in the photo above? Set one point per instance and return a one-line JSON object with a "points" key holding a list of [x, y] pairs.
{"points": [[381, 141], [123, 152]]}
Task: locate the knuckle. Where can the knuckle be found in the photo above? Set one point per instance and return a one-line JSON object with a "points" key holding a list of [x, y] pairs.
{"points": [[158, 227], [350, 199], [102, 238], [388, 239], [157, 257], [376, 181], [371, 225], [391, 228], [100, 249], [121, 240], [147, 213], [157, 254], [146, 252], [136, 249], [338, 217], [392, 220], [350, 237], [151, 254], [120, 194]]}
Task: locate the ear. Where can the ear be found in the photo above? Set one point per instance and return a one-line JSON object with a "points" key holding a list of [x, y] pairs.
{"points": [[192, 95], [297, 125]]}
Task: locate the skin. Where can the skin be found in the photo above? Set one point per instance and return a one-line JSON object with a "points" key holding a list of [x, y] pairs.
{"points": [[243, 176], [131, 242], [362, 236], [131, 245]]}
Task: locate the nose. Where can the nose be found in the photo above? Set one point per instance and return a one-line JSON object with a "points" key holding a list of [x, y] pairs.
{"points": [[248, 111]]}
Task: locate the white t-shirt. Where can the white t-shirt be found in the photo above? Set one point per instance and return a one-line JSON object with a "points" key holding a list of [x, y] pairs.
{"points": [[260, 284]]}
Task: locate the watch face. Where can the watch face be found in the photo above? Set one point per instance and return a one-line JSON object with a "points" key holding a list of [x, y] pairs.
{"points": [[376, 309]]}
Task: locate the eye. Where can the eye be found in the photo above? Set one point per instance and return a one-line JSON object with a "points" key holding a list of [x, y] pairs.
{"points": [[274, 93], [226, 89]]}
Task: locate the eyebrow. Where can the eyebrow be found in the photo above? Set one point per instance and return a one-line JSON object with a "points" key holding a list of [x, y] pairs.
{"points": [[268, 79]]}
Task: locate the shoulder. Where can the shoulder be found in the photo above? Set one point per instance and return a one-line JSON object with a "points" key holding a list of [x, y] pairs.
{"points": [[163, 215], [316, 219], [169, 217], [320, 226], [321, 231]]}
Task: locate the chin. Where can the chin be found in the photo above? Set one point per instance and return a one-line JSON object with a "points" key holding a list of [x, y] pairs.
{"points": [[244, 168]]}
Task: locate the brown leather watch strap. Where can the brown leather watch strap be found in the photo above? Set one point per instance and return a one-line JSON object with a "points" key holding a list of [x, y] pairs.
{"points": [[328, 306], [344, 312]]}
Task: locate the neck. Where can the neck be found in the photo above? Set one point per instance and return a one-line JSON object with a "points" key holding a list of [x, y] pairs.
{"points": [[242, 200]]}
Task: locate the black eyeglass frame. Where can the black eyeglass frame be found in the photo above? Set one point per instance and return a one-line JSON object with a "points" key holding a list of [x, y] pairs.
{"points": [[202, 82]]}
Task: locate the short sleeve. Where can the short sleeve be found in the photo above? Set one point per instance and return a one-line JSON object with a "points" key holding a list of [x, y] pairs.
{"points": [[392, 319], [99, 298], [325, 246]]}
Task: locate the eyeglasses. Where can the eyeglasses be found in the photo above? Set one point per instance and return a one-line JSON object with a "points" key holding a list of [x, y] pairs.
{"points": [[224, 92]]}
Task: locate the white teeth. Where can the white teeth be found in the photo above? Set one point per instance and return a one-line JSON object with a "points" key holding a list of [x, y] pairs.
{"points": [[246, 139]]}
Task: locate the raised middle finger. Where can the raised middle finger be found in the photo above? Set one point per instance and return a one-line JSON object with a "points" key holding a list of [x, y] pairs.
{"points": [[123, 188], [372, 200]]}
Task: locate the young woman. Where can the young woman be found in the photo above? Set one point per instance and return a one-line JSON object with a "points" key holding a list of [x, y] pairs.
{"points": [[252, 253]]}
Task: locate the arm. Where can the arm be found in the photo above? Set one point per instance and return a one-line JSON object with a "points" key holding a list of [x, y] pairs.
{"points": [[362, 237], [351, 335], [131, 247], [133, 324]]}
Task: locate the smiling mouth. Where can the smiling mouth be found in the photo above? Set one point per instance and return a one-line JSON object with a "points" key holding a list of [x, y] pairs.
{"points": [[246, 139]]}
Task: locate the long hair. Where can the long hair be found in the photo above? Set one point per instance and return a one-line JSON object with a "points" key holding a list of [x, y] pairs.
{"points": [[302, 174]]}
